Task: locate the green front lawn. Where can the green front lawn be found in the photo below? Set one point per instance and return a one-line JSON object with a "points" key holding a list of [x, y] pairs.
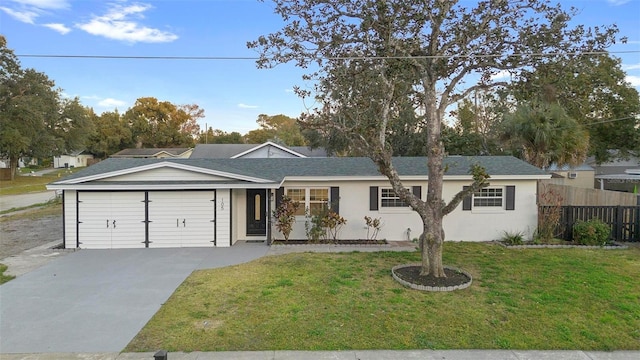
{"points": [[520, 299]]}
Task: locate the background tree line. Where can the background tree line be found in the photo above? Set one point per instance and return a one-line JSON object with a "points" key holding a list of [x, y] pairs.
{"points": [[558, 111]]}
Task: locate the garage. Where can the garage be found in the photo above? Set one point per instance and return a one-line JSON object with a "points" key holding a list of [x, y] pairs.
{"points": [[118, 219]]}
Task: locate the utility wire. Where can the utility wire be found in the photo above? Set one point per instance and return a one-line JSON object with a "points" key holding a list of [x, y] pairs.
{"points": [[226, 58]]}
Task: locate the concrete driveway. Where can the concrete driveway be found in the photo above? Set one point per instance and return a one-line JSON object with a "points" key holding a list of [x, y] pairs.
{"points": [[98, 300]]}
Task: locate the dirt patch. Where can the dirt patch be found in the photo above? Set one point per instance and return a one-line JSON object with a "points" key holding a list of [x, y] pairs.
{"points": [[20, 233]]}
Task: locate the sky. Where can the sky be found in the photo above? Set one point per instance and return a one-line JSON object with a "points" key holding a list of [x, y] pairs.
{"points": [[232, 92]]}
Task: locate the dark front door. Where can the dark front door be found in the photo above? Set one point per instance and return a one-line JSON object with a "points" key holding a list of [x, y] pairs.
{"points": [[256, 212]]}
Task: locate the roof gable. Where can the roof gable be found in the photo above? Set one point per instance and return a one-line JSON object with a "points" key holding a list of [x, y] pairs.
{"points": [[280, 150], [159, 170]]}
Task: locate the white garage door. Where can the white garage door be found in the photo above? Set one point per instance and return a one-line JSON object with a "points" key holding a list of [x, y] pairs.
{"points": [[111, 220], [181, 218]]}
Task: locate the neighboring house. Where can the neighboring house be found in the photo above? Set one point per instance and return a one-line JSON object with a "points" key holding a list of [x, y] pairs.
{"points": [[74, 159], [137, 203], [581, 176], [618, 175], [266, 150], [155, 153]]}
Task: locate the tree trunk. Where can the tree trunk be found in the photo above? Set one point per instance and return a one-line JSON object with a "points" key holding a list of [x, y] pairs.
{"points": [[13, 165], [433, 231]]}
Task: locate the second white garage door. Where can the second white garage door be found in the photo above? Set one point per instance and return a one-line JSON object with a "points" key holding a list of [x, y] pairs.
{"points": [[181, 218]]}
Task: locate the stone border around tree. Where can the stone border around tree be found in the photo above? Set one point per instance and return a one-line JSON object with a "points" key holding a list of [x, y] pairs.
{"points": [[431, 288]]}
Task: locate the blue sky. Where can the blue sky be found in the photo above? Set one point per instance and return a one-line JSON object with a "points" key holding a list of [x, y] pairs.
{"points": [[232, 92]]}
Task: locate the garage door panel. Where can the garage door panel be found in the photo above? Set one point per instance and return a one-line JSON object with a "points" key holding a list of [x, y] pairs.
{"points": [[111, 220], [181, 219]]}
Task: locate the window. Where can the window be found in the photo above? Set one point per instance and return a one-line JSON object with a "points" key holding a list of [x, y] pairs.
{"points": [[389, 199], [318, 200], [314, 199], [488, 197], [298, 195]]}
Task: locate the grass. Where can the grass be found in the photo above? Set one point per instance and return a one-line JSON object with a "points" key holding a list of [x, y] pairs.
{"points": [[4, 278], [25, 184], [520, 299]]}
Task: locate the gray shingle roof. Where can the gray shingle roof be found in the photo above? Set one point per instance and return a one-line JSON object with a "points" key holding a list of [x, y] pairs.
{"points": [[149, 152], [225, 151], [276, 169]]}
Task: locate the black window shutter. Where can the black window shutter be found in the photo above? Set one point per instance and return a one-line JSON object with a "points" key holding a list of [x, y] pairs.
{"points": [[373, 198], [466, 202], [511, 197], [417, 191], [335, 199], [279, 195]]}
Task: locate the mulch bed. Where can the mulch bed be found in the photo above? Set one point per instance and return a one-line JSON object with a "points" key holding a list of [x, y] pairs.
{"points": [[337, 242], [412, 274]]}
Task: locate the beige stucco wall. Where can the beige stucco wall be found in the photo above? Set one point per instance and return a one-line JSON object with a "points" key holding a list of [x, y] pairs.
{"points": [[404, 224], [583, 179]]}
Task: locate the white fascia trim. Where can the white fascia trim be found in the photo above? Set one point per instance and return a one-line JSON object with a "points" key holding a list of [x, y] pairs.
{"points": [[350, 178], [144, 186], [406, 178], [268, 143], [499, 177], [161, 165]]}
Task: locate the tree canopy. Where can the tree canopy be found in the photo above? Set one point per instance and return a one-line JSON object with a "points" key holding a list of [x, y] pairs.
{"points": [[374, 57], [158, 124]]}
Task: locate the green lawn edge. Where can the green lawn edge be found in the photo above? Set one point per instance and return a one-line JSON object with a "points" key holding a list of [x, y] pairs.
{"points": [[520, 299]]}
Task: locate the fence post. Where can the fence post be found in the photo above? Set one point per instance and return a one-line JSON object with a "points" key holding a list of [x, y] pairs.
{"points": [[618, 222], [568, 229]]}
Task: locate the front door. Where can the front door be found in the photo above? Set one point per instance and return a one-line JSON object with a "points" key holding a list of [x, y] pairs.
{"points": [[256, 212]]}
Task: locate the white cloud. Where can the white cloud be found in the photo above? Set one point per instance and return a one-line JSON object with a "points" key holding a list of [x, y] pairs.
{"points": [[245, 106], [617, 2], [503, 74], [117, 24], [27, 11], [631, 67], [44, 4], [111, 103], [634, 80], [59, 28], [25, 16]]}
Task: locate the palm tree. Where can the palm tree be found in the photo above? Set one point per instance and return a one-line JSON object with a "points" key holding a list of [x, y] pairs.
{"points": [[543, 133]]}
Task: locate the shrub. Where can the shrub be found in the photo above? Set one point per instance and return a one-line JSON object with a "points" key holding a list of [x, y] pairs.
{"points": [[332, 222], [512, 238], [548, 215], [285, 216], [373, 227], [592, 232]]}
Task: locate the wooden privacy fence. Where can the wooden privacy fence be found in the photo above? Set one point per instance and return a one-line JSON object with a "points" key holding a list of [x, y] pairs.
{"points": [[624, 220], [571, 195]]}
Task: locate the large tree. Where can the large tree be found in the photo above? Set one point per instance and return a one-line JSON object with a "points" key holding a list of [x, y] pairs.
{"points": [[366, 51], [156, 123], [28, 106], [594, 92], [111, 134], [277, 128], [543, 134]]}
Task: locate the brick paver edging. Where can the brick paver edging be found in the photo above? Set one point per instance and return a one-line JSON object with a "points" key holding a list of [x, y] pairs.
{"points": [[431, 288]]}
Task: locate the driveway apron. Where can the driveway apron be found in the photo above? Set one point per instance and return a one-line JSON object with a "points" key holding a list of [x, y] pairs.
{"points": [[98, 300]]}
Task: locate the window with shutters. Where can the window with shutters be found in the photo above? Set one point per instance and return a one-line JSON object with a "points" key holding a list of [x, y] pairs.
{"points": [[489, 198], [314, 199], [389, 199]]}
